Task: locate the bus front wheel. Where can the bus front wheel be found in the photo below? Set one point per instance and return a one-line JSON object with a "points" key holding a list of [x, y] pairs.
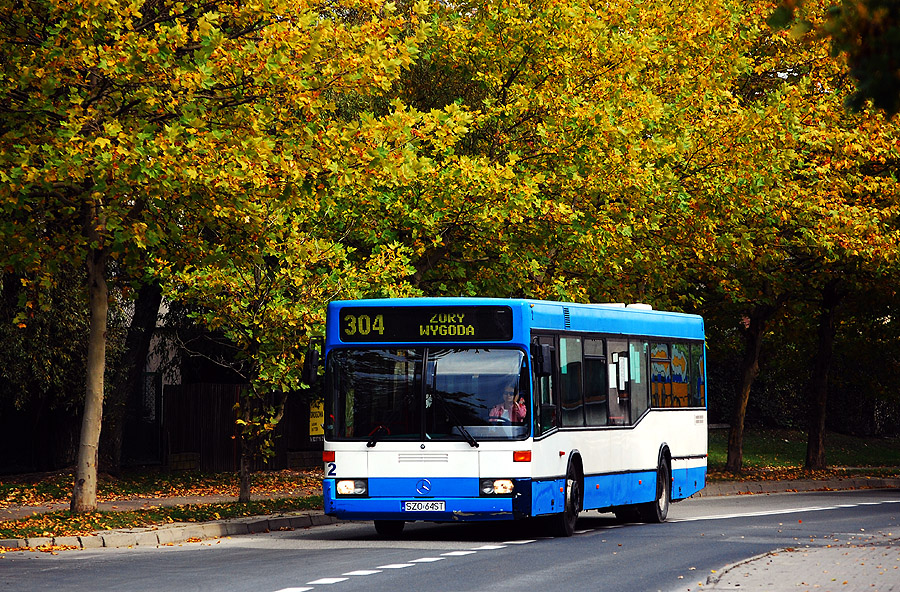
{"points": [[564, 522]]}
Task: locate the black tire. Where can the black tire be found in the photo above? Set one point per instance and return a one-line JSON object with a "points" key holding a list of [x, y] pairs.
{"points": [[389, 528], [657, 510], [563, 524]]}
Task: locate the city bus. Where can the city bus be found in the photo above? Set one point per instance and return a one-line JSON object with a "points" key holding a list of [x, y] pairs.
{"points": [[468, 409]]}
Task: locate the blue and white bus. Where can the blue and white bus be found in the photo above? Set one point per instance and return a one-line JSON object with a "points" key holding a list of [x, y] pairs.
{"points": [[463, 409]]}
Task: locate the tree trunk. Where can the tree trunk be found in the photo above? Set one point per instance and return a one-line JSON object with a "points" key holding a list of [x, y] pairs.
{"points": [[84, 493], [245, 473], [753, 335], [123, 398], [815, 445]]}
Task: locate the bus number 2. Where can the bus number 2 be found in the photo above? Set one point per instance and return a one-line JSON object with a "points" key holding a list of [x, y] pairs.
{"points": [[332, 469]]}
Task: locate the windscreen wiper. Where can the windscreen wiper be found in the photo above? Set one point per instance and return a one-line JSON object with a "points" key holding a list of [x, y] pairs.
{"points": [[383, 428], [462, 429], [373, 437]]}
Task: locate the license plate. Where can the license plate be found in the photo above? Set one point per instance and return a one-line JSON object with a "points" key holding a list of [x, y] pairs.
{"points": [[424, 506]]}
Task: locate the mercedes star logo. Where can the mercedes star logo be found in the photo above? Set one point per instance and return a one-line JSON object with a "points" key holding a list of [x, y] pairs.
{"points": [[423, 487]]}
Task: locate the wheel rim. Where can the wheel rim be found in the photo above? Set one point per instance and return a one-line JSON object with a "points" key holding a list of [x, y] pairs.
{"points": [[662, 499], [572, 508]]}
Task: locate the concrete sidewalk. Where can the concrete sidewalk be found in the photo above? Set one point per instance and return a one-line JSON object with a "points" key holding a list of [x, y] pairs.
{"points": [[187, 532], [869, 564]]}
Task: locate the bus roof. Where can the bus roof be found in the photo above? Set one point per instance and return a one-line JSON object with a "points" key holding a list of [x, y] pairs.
{"points": [[547, 315]]}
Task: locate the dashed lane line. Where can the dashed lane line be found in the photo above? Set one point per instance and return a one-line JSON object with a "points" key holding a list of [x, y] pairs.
{"points": [[381, 568]]}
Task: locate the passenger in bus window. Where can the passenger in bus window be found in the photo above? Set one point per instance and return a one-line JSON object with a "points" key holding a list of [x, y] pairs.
{"points": [[511, 409]]}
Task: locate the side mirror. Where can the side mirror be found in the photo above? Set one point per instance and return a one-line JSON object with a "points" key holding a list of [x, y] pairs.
{"points": [[310, 373], [542, 359]]}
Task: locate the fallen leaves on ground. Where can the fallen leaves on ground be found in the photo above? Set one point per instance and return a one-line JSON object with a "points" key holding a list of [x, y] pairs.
{"points": [[799, 473], [57, 487]]}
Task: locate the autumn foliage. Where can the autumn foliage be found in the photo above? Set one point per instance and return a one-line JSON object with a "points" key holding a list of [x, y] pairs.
{"points": [[261, 158]]}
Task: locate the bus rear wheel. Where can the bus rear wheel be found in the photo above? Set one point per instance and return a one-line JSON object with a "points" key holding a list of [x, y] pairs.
{"points": [[389, 528], [657, 510]]}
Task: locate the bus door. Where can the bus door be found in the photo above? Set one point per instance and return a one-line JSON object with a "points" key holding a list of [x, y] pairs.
{"points": [[545, 397]]}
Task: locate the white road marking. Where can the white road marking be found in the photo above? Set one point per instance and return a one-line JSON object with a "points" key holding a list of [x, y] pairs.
{"points": [[489, 547], [380, 568], [785, 511]]}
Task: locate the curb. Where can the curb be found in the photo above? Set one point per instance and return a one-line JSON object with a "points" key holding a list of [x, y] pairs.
{"points": [[794, 486], [157, 536]]}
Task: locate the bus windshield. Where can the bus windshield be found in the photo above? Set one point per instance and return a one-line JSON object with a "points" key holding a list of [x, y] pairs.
{"points": [[407, 394]]}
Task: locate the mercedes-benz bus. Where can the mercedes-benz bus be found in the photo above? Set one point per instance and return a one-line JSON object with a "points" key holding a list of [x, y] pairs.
{"points": [[466, 409]]}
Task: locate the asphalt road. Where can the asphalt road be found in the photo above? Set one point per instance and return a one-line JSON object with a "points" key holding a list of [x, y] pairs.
{"points": [[701, 537]]}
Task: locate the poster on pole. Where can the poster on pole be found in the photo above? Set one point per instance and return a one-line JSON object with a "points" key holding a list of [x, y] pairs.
{"points": [[316, 421]]}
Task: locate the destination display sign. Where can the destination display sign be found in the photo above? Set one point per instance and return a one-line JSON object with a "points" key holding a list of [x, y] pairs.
{"points": [[425, 323]]}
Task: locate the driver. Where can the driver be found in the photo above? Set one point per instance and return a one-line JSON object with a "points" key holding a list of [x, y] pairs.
{"points": [[511, 408]]}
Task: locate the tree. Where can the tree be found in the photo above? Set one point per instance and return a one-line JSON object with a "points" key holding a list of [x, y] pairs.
{"points": [[123, 120], [867, 32], [696, 195], [576, 111], [266, 302]]}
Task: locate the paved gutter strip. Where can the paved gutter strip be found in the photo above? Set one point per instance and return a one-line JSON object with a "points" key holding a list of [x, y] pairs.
{"points": [[758, 487]]}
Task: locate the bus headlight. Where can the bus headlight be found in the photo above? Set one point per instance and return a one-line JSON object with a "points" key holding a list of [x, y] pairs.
{"points": [[351, 487], [497, 487]]}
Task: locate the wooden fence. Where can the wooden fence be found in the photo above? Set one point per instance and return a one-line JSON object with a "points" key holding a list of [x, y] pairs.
{"points": [[199, 431]]}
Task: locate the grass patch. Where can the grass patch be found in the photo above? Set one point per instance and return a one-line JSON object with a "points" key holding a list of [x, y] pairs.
{"points": [[781, 454], [57, 487]]}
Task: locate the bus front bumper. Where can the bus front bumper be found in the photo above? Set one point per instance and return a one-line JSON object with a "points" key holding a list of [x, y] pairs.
{"points": [[411, 508]]}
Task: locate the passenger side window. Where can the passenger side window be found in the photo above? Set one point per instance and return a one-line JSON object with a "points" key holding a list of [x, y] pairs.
{"points": [[698, 376], [619, 401], [570, 354], [681, 375], [660, 375], [637, 358], [595, 383]]}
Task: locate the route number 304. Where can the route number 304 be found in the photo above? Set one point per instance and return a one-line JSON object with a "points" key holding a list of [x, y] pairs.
{"points": [[363, 325]]}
